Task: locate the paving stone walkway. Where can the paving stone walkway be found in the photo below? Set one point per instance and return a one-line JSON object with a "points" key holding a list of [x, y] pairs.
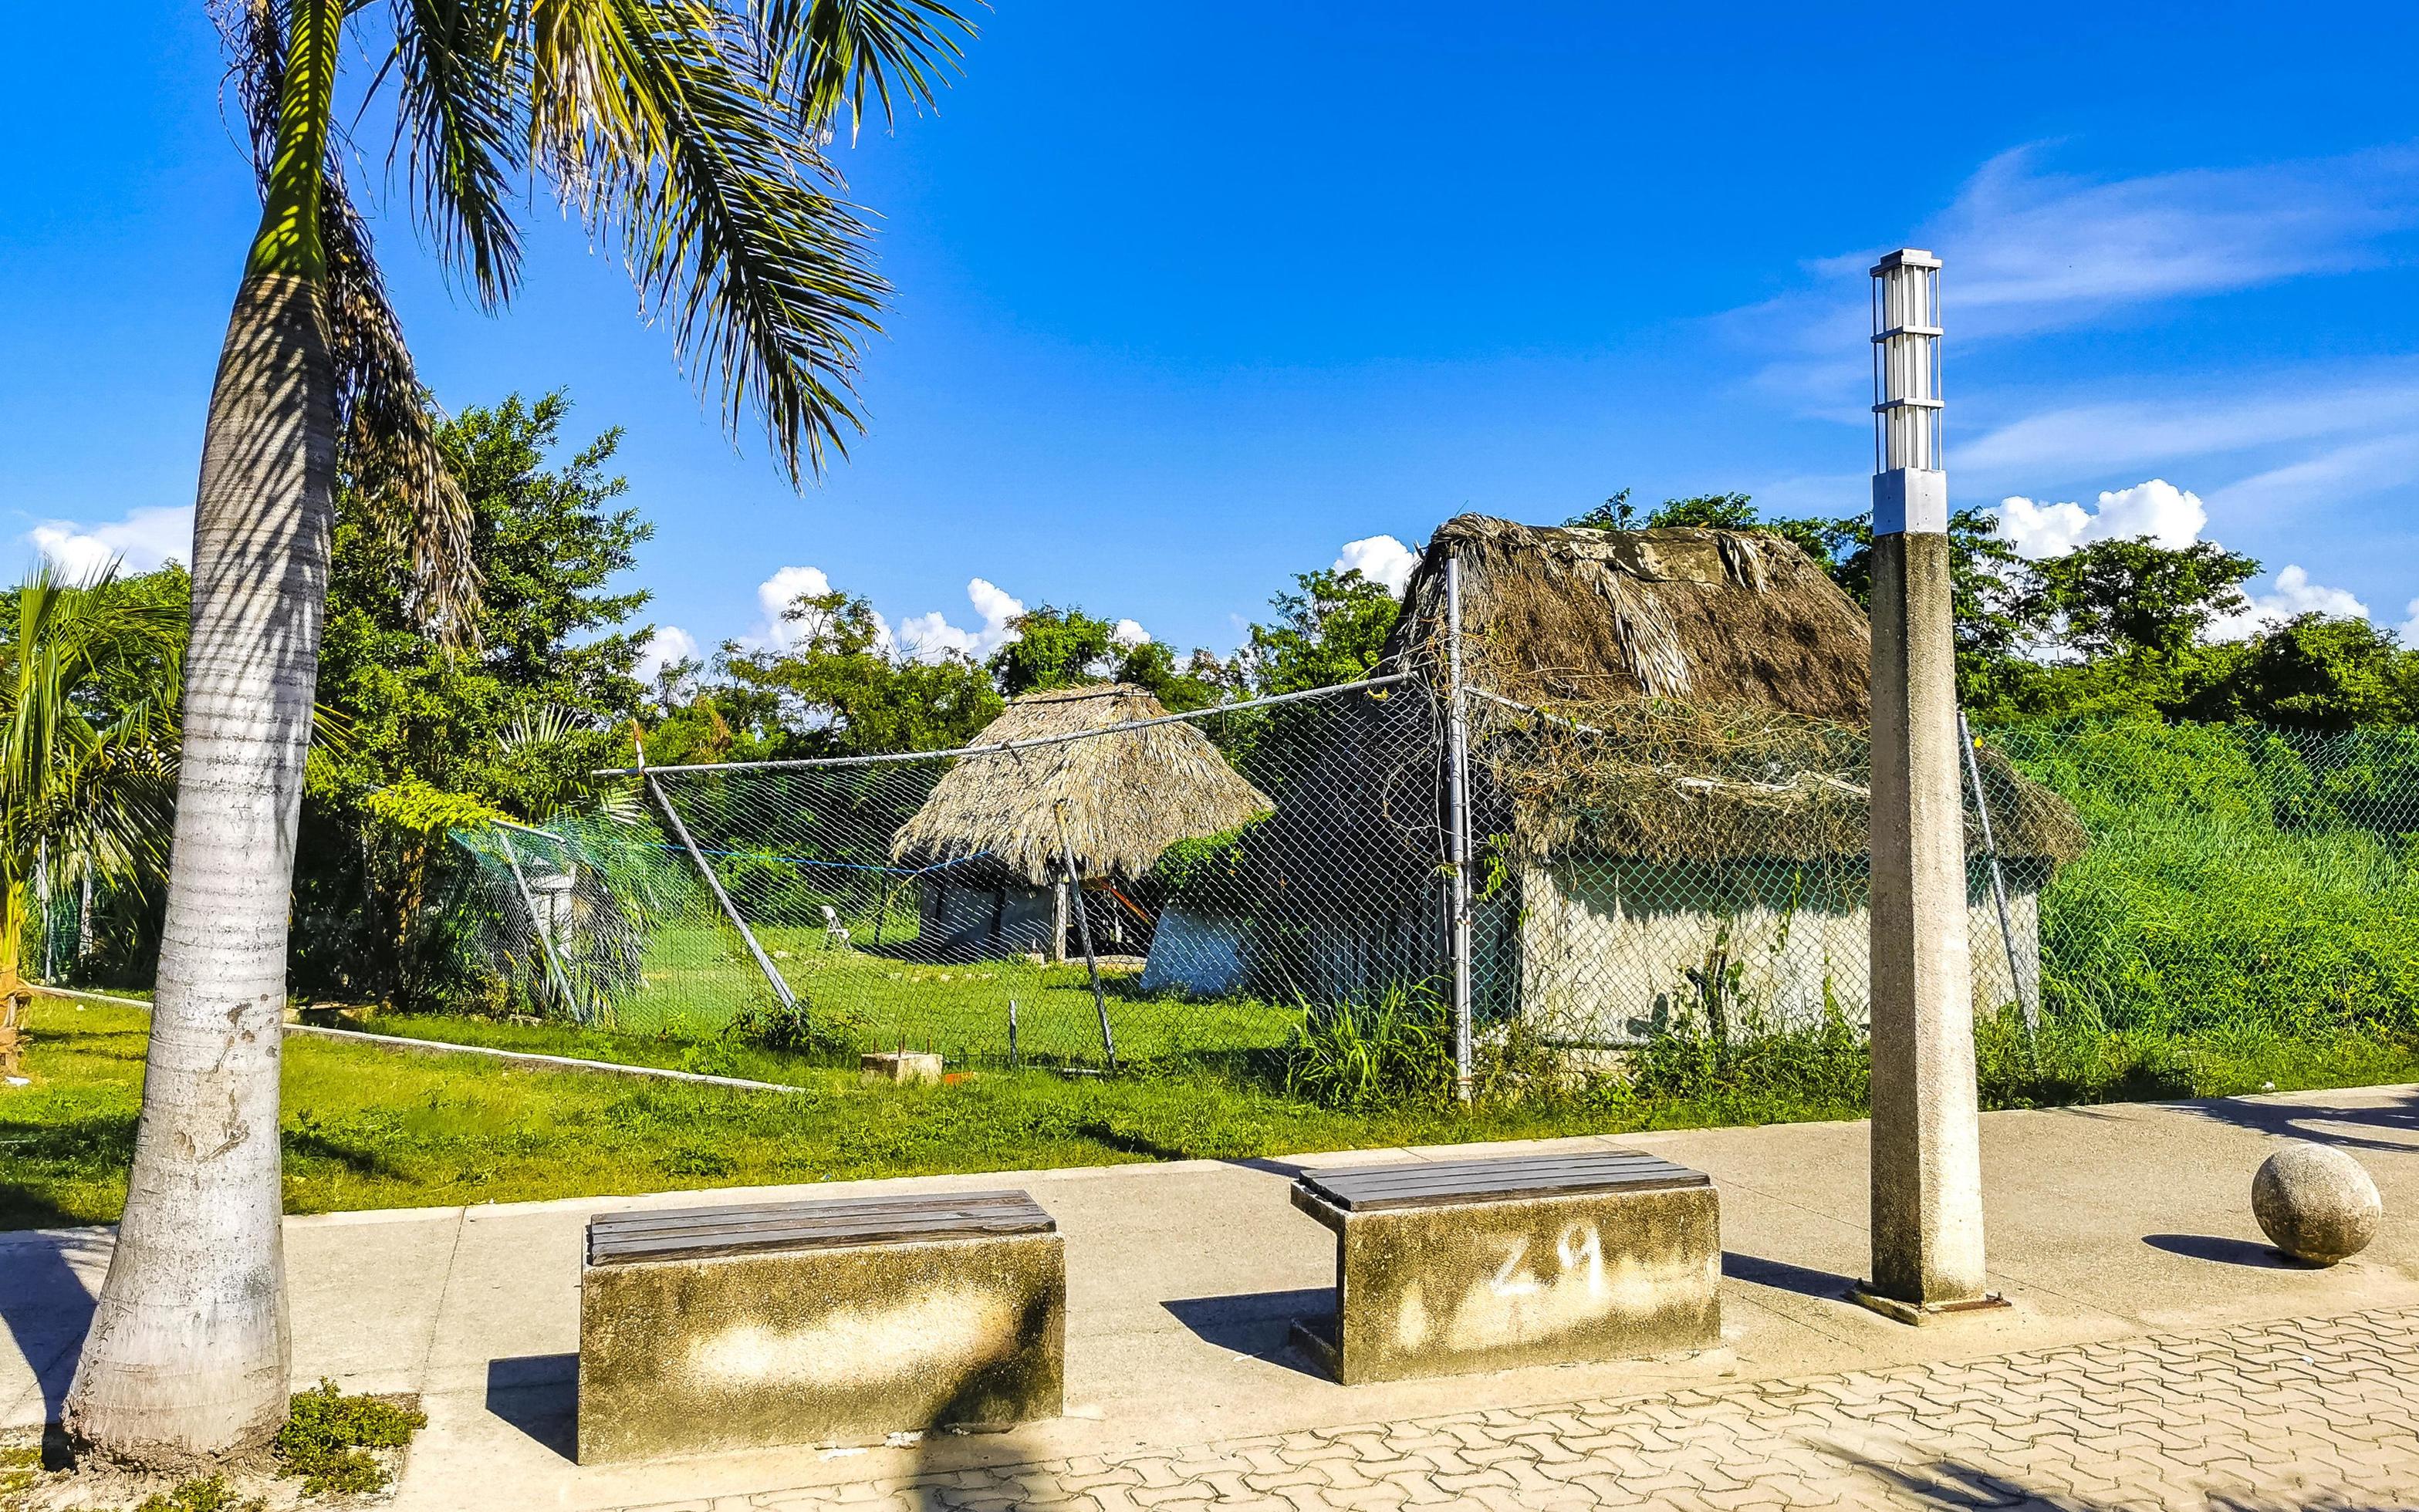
{"points": [[2303, 1413]]}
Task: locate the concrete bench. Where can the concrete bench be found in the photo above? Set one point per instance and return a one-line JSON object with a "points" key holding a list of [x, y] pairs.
{"points": [[1447, 1267], [817, 1323]]}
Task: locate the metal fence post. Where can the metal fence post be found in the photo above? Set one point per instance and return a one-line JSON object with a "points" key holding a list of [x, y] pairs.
{"points": [[1083, 931], [542, 927], [764, 962], [2024, 1005], [1457, 825]]}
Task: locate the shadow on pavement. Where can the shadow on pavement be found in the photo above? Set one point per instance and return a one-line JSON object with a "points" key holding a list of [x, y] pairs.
{"points": [[1950, 1484], [47, 1306], [1256, 1323], [539, 1395], [2227, 1251], [1783, 1276], [2324, 1123]]}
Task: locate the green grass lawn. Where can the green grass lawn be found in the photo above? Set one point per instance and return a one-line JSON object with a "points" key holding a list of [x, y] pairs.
{"points": [[697, 976], [370, 1127]]}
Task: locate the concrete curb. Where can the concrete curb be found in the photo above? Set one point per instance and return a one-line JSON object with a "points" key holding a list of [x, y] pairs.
{"points": [[530, 1058]]}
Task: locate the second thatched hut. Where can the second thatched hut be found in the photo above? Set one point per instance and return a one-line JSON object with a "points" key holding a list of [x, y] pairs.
{"points": [[1072, 780]]}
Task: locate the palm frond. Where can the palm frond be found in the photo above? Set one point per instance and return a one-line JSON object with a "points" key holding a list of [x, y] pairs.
{"points": [[459, 103], [90, 786], [660, 133], [387, 429], [384, 420], [825, 54]]}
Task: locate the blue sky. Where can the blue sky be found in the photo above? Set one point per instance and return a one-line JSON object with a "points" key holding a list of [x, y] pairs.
{"points": [[1189, 296]]}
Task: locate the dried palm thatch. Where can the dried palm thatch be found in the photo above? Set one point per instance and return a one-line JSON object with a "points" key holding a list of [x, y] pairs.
{"points": [[1703, 697], [1674, 783], [1127, 795], [1721, 618]]}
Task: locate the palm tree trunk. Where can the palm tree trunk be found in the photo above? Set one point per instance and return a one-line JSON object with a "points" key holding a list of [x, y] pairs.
{"points": [[187, 1357]]}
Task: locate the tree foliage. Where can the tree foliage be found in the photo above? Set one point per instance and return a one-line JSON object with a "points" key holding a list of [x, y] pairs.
{"points": [[2114, 628], [511, 727], [1329, 630]]}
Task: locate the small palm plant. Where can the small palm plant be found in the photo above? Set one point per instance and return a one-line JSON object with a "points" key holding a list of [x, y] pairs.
{"points": [[88, 677]]}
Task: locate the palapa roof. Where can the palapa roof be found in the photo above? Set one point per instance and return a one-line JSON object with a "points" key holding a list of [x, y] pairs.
{"points": [[1129, 794], [1704, 697], [1553, 616]]}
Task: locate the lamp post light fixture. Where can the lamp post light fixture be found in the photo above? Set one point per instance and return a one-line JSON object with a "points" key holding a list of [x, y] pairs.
{"points": [[1927, 1175]]}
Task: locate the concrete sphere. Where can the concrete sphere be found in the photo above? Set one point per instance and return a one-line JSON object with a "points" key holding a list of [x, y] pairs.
{"points": [[2316, 1202]]}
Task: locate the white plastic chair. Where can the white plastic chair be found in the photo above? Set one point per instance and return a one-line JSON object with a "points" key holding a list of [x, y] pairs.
{"points": [[834, 932]]}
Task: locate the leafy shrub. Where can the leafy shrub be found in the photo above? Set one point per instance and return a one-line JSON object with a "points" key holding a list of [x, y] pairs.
{"points": [[1356, 1056], [328, 1434], [800, 1029]]}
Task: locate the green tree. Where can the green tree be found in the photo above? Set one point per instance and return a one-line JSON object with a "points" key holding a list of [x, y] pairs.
{"points": [[1329, 630], [689, 134], [557, 651], [840, 687], [2112, 596], [1054, 648], [2311, 672]]}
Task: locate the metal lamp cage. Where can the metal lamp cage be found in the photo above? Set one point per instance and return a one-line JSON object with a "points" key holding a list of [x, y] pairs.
{"points": [[1906, 362]]}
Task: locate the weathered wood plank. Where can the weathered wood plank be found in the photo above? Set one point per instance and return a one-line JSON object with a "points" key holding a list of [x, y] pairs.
{"points": [[1435, 1183], [696, 1233]]}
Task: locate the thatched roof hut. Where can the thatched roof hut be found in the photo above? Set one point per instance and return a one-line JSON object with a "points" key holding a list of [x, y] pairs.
{"points": [[1703, 692], [1127, 795]]}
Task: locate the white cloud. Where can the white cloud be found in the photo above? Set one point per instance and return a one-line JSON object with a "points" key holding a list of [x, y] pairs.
{"points": [[2409, 629], [2170, 515], [777, 593], [669, 643], [2294, 595], [2173, 517], [2037, 250], [1130, 632], [1381, 560], [144, 539], [931, 636]]}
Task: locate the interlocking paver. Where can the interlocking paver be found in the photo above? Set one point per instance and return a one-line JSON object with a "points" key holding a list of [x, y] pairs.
{"points": [[2307, 1411]]}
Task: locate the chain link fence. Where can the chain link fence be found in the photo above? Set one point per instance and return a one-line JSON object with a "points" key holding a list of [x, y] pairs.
{"points": [[1103, 886]]}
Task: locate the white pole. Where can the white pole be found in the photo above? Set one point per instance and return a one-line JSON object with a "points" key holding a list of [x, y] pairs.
{"points": [[1457, 825]]}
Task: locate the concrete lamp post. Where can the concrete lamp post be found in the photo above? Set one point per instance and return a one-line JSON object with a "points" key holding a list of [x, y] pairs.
{"points": [[1927, 1171]]}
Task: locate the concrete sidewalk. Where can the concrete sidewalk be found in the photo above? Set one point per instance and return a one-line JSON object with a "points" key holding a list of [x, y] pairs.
{"points": [[2106, 1223]]}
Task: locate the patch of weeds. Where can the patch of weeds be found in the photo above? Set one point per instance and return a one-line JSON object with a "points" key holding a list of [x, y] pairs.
{"points": [[800, 1029], [21, 1465], [699, 1161], [207, 1493], [326, 1439]]}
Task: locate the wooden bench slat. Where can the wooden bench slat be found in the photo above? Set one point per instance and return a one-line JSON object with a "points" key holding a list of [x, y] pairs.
{"points": [[841, 1229], [1435, 1183], [691, 1234], [653, 1217], [708, 1220]]}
